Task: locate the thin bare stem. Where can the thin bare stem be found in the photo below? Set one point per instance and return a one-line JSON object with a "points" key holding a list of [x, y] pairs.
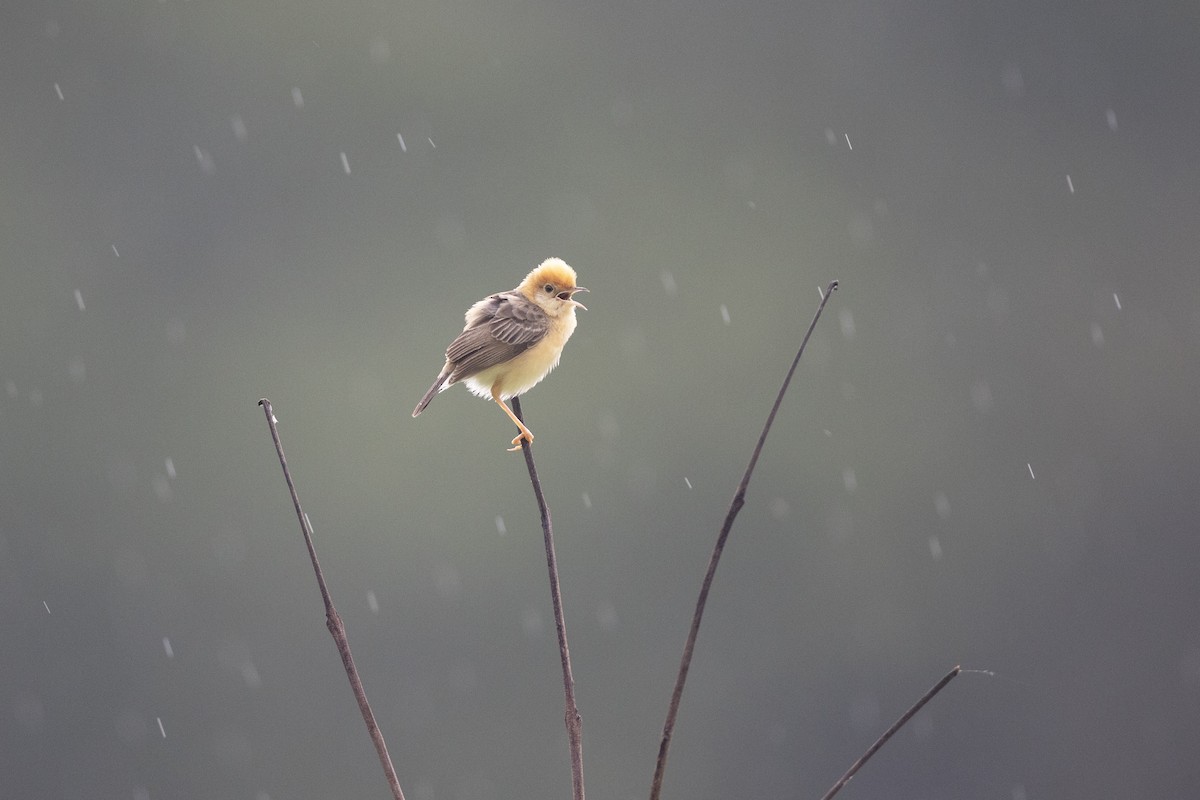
{"points": [[333, 620], [571, 716], [882, 740], [739, 499]]}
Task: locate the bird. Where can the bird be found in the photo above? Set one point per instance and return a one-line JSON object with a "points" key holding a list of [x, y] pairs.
{"points": [[512, 340]]}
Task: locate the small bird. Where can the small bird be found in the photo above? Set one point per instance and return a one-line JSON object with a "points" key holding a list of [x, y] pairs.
{"points": [[513, 339]]}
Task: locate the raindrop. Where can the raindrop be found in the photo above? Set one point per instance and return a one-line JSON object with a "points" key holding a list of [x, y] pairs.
{"points": [[1117, 300], [297, 97], [58, 91], [79, 300], [848, 141], [46, 606], [668, 282], [403, 146], [372, 602], [1097, 335], [587, 500], [115, 253], [239, 127], [686, 481], [161, 729], [830, 136], [170, 465], [345, 163], [431, 144], [849, 479], [847, 322], [500, 525], [531, 622], [1031, 475], [935, 548], [204, 159], [941, 504], [162, 488], [725, 313], [780, 508], [1070, 185], [250, 676], [170, 651], [1111, 117]]}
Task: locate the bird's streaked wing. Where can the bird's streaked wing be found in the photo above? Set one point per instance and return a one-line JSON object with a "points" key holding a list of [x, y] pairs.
{"points": [[499, 328]]}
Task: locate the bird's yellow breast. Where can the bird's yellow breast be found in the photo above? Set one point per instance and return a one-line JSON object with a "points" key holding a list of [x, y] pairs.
{"points": [[519, 375]]}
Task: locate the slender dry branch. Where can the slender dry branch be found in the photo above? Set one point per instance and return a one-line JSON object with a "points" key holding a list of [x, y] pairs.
{"points": [[882, 740], [571, 716], [333, 620], [739, 499]]}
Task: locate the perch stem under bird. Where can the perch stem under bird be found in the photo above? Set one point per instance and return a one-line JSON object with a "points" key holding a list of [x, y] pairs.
{"points": [[512, 340]]}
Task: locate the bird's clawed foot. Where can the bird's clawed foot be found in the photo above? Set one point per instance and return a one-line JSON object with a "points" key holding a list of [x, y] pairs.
{"points": [[523, 436]]}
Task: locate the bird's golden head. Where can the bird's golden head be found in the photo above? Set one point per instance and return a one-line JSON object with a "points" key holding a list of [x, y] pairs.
{"points": [[552, 285]]}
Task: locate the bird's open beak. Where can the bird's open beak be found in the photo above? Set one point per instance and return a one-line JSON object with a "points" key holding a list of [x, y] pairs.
{"points": [[568, 297]]}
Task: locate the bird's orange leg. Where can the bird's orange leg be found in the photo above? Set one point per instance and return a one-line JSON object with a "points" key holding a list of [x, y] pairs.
{"points": [[524, 436]]}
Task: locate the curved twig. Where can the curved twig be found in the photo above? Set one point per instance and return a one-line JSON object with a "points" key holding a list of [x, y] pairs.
{"points": [[739, 499], [882, 740]]}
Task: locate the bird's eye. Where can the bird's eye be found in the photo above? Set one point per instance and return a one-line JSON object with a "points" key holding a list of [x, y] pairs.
{"points": [[549, 287]]}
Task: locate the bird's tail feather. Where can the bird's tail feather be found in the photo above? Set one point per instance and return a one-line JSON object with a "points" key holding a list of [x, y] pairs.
{"points": [[438, 386]]}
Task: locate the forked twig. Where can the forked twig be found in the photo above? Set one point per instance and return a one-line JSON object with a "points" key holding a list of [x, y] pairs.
{"points": [[882, 740], [739, 499], [333, 620], [571, 716]]}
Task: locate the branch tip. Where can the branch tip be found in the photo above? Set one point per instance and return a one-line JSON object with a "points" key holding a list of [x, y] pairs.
{"points": [[571, 716], [735, 505]]}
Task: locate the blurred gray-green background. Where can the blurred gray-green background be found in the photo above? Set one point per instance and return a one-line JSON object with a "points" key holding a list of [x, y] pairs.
{"points": [[989, 455]]}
